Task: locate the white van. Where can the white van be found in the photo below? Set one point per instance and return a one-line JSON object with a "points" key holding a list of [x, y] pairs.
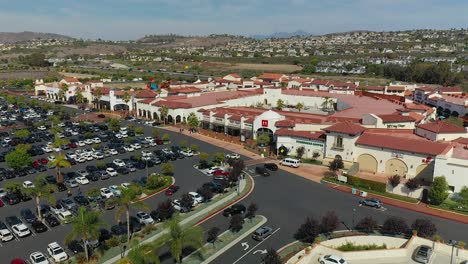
{"points": [[295, 163]]}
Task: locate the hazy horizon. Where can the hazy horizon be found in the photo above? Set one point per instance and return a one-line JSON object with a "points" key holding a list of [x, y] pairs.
{"points": [[132, 19]]}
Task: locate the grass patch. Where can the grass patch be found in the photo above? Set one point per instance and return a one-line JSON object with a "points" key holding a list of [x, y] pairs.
{"points": [[167, 183], [349, 246], [292, 250], [223, 240], [452, 205], [385, 194]]}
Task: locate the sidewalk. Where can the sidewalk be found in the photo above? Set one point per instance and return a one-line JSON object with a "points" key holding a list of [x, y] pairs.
{"points": [[419, 207], [315, 173]]}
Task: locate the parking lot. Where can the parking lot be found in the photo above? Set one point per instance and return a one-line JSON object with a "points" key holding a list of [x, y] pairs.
{"points": [[113, 150]]}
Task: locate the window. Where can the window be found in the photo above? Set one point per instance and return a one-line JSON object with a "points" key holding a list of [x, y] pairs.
{"points": [[338, 142]]}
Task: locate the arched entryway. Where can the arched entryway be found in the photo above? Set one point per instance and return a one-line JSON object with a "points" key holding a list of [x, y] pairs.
{"points": [[155, 116], [120, 107], [425, 172], [178, 119], [368, 163], [396, 167], [170, 119]]}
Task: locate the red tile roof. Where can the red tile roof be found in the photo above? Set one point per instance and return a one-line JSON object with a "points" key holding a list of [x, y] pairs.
{"points": [[403, 144], [271, 76], [319, 82], [453, 89], [373, 88], [346, 128], [146, 101], [416, 116], [426, 89], [416, 106], [462, 140], [219, 115], [71, 80], [395, 118], [186, 89], [234, 75], [442, 127], [235, 117], [285, 123], [302, 134], [396, 88], [145, 94], [343, 84]]}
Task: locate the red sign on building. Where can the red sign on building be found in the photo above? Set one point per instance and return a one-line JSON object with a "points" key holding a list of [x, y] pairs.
{"points": [[264, 123]]}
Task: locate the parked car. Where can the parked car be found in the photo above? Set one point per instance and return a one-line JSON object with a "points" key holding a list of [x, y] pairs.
{"points": [[232, 156], [52, 221], [106, 193], [262, 233], [270, 166], [197, 198], [423, 254], [372, 202], [65, 216], [75, 247], [21, 230], [331, 259], [171, 190], [144, 218], [61, 187], [67, 203], [38, 226], [82, 180], [234, 209], [28, 215], [38, 258], [5, 234], [176, 204], [119, 229], [71, 183], [262, 171], [56, 252]]}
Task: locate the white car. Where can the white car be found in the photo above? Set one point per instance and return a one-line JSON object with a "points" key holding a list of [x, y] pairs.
{"points": [[113, 151], [187, 153], [197, 198], [115, 190], [5, 235], [149, 139], [80, 159], [98, 155], [213, 169], [28, 184], [128, 148], [41, 128], [88, 141], [47, 149], [119, 162], [145, 153], [125, 185], [96, 140], [65, 216], [106, 193], [56, 209], [38, 258], [21, 230], [51, 158], [56, 252], [82, 180], [144, 218], [112, 172], [136, 146], [233, 156], [81, 143], [331, 259], [176, 204]]}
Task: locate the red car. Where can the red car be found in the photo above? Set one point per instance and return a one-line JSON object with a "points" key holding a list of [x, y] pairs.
{"points": [[171, 190], [43, 161], [1, 203], [221, 172], [159, 142], [36, 164], [72, 145]]}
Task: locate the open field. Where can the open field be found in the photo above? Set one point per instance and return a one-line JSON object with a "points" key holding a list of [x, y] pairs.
{"points": [[78, 75], [284, 68], [12, 75]]}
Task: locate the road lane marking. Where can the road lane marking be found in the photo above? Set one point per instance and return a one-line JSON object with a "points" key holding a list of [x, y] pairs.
{"points": [[256, 246], [245, 245]]}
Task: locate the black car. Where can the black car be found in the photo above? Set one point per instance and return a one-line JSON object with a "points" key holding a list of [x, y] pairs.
{"points": [[93, 176], [135, 225], [52, 220], [123, 170], [119, 229], [235, 209], [28, 215], [61, 187], [50, 179], [41, 168], [75, 246], [155, 215], [24, 197], [104, 235], [38, 226], [12, 220], [11, 198], [81, 200], [139, 165], [45, 210], [262, 171], [215, 188], [91, 168], [271, 166]]}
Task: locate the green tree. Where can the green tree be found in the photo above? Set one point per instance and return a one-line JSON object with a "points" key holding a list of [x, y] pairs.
{"points": [[166, 138], [60, 162], [124, 202], [327, 103], [300, 106], [93, 192], [272, 257], [194, 147], [464, 195], [218, 157], [58, 142], [86, 225], [336, 165], [79, 96], [439, 190], [126, 97], [167, 168], [155, 180], [193, 121], [54, 120], [300, 152], [163, 112], [18, 158], [155, 132], [263, 140], [139, 130], [40, 190], [142, 253], [22, 133], [280, 104], [204, 157], [183, 144], [13, 186], [97, 96], [181, 237]]}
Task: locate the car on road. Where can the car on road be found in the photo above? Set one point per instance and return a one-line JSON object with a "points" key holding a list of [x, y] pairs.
{"points": [[331, 259], [423, 254], [232, 156], [28, 215], [262, 233], [56, 252], [21, 230], [271, 166], [262, 171], [234, 209], [144, 218], [106, 193], [171, 190], [197, 198], [372, 202], [65, 216], [38, 226], [5, 234], [38, 258], [82, 180]]}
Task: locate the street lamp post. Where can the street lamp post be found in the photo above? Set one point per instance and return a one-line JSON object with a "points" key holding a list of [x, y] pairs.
{"points": [[452, 243], [354, 214]]}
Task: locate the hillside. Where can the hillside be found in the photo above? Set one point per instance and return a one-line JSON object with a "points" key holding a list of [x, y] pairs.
{"points": [[15, 37], [171, 41]]}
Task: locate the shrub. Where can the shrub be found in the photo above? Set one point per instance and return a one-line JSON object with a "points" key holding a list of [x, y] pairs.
{"points": [[205, 192], [204, 156], [367, 224], [395, 226], [271, 257], [166, 138], [367, 184], [394, 180], [439, 191], [218, 157], [194, 147], [251, 210], [167, 168], [300, 152], [213, 234], [155, 181], [186, 201], [412, 184], [424, 227], [308, 231], [335, 165], [349, 246], [236, 222], [329, 222], [165, 209]]}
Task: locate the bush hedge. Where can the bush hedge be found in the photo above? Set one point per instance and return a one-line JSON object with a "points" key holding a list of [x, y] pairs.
{"points": [[368, 184]]}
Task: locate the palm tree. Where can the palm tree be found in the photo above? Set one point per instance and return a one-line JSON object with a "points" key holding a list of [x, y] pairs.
{"points": [[142, 253], [280, 104], [126, 98], [40, 190], [58, 142], [86, 225], [193, 120], [63, 91], [326, 103], [124, 202], [164, 111], [60, 162], [180, 237], [97, 96], [299, 106]]}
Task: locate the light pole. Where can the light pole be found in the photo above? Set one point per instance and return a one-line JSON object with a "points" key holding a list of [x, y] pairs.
{"points": [[147, 173], [354, 214], [452, 243]]}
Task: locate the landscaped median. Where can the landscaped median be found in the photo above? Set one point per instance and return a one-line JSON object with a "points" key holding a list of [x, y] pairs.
{"points": [[202, 212], [225, 241]]}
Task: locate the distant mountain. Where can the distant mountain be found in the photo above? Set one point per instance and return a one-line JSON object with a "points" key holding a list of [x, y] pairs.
{"points": [[15, 37], [172, 40], [298, 33]]}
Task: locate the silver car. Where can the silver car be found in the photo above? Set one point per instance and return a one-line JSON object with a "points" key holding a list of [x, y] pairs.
{"points": [[262, 233], [423, 254]]}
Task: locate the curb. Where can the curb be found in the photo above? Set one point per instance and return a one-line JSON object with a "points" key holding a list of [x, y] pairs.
{"points": [[286, 246], [155, 193], [235, 241], [446, 211], [212, 214]]}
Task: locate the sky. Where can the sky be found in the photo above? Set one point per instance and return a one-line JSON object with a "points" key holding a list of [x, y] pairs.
{"points": [[132, 19]]}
